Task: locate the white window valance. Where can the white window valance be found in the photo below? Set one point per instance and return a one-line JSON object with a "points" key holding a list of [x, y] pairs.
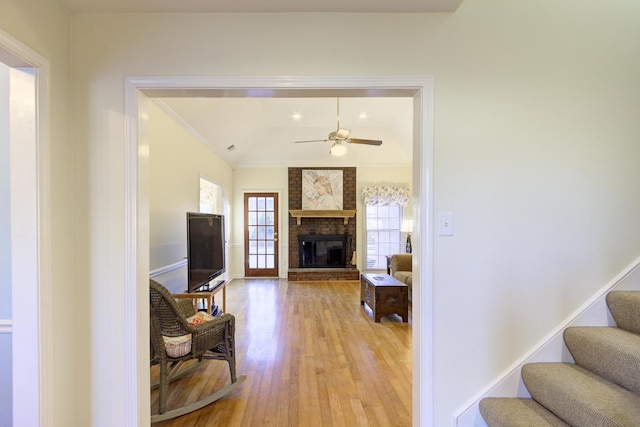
{"points": [[383, 196]]}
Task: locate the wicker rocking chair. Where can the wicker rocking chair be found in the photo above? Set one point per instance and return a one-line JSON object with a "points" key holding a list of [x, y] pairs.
{"points": [[210, 340]]}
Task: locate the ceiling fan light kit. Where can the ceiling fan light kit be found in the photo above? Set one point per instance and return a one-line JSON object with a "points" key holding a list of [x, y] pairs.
{"points": [[342, 135], [337, 149]]}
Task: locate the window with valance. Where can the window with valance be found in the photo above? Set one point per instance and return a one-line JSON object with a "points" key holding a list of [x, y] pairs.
{"points": [[385, 196], [383, 220]]}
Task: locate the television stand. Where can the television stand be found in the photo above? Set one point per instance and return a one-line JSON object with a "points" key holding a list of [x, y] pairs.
{"points": [[208, 287], [207, 296]]}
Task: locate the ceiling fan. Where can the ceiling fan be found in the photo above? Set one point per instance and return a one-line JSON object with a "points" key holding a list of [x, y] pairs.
{"points": [[342, 135]]}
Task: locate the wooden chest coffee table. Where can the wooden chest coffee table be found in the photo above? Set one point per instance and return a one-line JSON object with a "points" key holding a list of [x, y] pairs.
{"points": [[384, 295]]}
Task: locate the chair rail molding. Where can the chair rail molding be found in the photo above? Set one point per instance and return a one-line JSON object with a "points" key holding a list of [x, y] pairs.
{"points": [[167, 268], [6, 326]]}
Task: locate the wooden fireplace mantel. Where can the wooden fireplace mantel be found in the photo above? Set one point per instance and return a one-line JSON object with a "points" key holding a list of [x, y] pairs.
{"points": [[345, 214]]}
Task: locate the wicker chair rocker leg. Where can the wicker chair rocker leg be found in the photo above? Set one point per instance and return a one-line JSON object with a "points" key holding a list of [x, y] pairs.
{"points": [[200, 403], [175, 371], [231, 353]]}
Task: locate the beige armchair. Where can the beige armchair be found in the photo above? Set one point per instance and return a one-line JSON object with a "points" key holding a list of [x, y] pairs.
{"points": [[401, 265]]}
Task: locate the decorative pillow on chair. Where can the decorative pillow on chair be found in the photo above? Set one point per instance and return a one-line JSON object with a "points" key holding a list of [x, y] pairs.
{"points": [[199, 318]]}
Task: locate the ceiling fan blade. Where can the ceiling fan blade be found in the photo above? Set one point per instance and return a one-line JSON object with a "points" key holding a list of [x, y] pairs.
{"points": [[311, 140], [364, 141]]}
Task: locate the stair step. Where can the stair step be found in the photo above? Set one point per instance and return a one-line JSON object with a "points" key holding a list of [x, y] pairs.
{"points": [[580, 397], [624, 307], [612, 353], [517, 412]]}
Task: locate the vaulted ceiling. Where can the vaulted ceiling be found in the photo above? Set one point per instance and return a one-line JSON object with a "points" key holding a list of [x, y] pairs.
{"points": [[263, 131]]}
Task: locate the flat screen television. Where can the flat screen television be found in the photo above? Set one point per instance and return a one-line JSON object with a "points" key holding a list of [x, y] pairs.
{"points": [[205, 250]]}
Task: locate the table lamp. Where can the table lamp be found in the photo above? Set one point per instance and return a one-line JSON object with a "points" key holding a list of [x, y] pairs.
{"points": [[407, 226]]}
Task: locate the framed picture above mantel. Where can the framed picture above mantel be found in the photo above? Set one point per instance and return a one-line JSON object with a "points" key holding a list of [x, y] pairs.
{"points": [[322, 190]]}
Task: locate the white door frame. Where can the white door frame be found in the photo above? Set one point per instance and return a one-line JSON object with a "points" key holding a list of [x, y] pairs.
{"points": [[137, 89], [30, 243]]}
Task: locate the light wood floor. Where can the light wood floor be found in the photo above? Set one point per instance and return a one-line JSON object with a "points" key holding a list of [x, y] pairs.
{"points": [[312, 356]]}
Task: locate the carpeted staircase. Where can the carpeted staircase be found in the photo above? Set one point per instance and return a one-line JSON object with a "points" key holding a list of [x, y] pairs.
{"points": [[602, 388]]}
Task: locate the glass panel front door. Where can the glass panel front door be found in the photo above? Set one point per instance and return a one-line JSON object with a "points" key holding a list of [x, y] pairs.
{"points": [[261, 234]]}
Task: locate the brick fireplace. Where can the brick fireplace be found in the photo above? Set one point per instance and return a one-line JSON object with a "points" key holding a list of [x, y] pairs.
{"points": [[319, 226]]}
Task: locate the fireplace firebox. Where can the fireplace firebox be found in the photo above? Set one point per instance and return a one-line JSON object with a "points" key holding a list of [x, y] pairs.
{"points": [[322, 250]]}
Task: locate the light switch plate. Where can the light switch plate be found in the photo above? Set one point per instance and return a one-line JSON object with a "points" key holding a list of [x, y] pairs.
{"points": [[445, 224]]}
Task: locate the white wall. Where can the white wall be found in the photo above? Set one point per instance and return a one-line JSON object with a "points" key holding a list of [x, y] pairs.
{"points": [[177, 160], [5, 254], [44, 27], [535, 152]]}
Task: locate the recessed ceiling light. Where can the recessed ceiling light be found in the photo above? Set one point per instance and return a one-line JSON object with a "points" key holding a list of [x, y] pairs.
{"points": [[363, 115], [296, 116]]}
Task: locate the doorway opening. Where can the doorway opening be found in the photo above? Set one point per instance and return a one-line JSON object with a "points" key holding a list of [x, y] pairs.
{"points": [[139, 90], [24, 229]]}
